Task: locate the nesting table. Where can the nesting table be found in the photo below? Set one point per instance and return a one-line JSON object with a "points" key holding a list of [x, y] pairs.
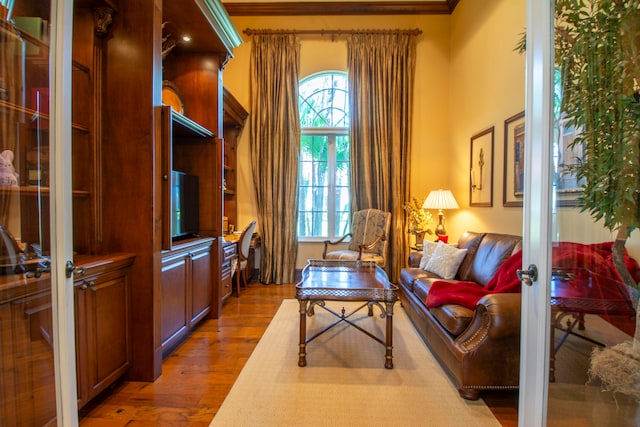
{"points": [[333, 280]]}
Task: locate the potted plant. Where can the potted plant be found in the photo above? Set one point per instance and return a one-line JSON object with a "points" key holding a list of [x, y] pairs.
{"points": [[597, 46]]}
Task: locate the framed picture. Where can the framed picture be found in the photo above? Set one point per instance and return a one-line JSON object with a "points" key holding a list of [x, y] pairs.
{"points": [[513, 182], [568, 187], [481, 174]]}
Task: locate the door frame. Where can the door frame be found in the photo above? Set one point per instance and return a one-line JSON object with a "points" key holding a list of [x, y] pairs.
{"points": [[537, 219], [60, 204]]}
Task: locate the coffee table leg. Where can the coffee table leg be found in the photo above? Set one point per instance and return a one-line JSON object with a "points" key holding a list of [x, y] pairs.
{"points": [[302, 347], [389, 337]]}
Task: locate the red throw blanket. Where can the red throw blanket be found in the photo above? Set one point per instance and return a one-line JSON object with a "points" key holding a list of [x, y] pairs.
{"points": [[597, 258]]}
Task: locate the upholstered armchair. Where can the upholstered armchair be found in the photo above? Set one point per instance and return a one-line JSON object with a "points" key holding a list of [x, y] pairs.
{"points": [[369, 232]]}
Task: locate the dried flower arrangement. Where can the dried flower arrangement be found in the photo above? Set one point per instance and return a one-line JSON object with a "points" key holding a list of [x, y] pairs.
{"points": [[419, 219]]}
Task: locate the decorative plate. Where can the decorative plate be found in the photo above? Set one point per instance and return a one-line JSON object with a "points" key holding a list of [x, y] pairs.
{"points": [[171, 96]]}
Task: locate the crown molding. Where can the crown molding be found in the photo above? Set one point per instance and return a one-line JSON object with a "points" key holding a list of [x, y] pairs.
{"points": [[341, 8]]}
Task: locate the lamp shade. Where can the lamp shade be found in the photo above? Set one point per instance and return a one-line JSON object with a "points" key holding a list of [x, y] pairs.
{"points": [[440, 199]]}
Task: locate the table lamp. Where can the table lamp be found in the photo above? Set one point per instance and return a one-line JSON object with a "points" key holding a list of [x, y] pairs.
{"points": [[440, 199]]}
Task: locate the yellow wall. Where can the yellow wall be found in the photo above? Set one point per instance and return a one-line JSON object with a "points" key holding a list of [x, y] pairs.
{"points": [[487, 86], [430, 128], [468, 78]]}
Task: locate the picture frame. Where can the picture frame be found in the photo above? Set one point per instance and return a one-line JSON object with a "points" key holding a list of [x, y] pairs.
{"points": [[481, 169], [513, 178], [568, 187]]}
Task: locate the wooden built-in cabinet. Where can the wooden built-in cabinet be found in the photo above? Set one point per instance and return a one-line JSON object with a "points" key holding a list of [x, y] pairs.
{"points": [[234, 118], [134, 151], [124, 143], [102, 305], [25, 127], [229, 256], [27, 383], [187, 289], [187, 148], [102, 293]]}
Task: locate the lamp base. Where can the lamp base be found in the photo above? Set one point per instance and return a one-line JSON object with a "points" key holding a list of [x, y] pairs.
{"points": [[440, 228]]}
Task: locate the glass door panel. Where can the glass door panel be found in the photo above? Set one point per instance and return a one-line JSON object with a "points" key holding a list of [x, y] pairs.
{"points": [[593, 360], [28, 380], [31, 124], [579, 362]]}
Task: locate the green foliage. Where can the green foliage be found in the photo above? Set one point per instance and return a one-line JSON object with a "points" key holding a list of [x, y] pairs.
{"points": [[597, 44]]}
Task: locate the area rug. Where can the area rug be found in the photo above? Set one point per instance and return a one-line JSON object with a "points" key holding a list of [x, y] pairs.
{"points": [[345, 382]]}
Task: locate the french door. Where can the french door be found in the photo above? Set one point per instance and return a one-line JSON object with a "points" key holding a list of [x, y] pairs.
{"points": [[37, 338], [563, 380]]}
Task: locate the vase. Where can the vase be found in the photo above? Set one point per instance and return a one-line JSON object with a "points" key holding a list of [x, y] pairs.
{"points": [[419, 238]]}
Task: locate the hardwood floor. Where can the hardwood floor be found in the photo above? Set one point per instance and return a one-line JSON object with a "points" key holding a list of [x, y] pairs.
{"points": [[199, 373]]}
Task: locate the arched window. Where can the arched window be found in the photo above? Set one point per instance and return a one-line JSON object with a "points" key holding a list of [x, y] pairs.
{"points": [[324, 208]]}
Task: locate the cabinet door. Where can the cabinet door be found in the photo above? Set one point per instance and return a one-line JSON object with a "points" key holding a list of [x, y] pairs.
{"points": [[102, 333], [26, 379], [174, 299], [201, 284]]}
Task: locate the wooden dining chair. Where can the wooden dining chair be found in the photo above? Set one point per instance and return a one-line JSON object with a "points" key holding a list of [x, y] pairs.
{"points": [[243, 255]]}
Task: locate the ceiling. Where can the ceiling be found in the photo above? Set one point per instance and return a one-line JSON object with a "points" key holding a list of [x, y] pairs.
{"points": [[332, 7]]}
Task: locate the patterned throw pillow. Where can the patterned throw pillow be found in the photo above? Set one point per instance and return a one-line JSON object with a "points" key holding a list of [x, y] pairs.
{"points": [[445, 260], [427, 250]]}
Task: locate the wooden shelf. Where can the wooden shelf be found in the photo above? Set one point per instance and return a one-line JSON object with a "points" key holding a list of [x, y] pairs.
{"points": [[97, 3], [185, 127], [234, 119], [35, 115], [34, 190]]}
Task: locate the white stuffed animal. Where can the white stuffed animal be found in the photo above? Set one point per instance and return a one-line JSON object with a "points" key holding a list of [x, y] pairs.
{"points": [[8, 175]]}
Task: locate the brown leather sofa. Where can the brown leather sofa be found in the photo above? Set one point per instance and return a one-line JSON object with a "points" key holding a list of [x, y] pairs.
{"points": [[479, 348]]}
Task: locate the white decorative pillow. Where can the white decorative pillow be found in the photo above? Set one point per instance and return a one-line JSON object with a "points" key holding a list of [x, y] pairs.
{"points": [[427, 250], [445, 260]]}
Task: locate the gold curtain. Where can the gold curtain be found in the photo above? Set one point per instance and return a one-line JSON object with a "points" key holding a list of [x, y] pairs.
{"points": [[275, 146], [381, 77]]}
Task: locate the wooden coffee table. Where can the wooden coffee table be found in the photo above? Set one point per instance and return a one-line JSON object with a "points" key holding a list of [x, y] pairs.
{"points": [[332, 280]]}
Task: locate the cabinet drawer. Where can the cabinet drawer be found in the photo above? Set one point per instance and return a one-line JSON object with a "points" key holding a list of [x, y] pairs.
{"points": [[229, 251], [226, 271]]}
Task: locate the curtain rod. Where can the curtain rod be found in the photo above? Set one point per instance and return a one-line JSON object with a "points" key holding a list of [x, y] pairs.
{"points": [[250, 32]]}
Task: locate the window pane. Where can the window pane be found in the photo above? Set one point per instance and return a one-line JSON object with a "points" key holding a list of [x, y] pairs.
{"points": [[342, 223], [343, 152], [306, 142], [306, 173], [320, 148], [304, 223], [320, 196], [304, 199], [342, 174], [320, 224], [342, 199], [324, 100], [324, 183], [320, 171]]}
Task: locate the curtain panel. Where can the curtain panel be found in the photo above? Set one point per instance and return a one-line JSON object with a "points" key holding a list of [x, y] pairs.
{"points": [[381, 79], [274, 141]]}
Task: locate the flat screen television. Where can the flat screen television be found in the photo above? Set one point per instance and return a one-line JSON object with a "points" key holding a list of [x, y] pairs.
{"points": [[185, 206]]}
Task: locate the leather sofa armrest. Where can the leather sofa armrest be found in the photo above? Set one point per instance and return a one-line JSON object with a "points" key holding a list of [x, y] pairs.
{"points": [[414, 259], [496, 316]]}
